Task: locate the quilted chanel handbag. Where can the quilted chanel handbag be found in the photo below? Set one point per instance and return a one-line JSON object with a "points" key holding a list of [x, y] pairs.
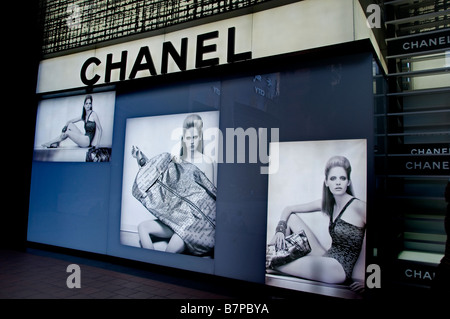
{"points": [[180, 195], [297, 246], [102, 154]]}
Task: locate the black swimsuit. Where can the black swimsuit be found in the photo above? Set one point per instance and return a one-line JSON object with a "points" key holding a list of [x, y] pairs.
{"points": [[90, 127], [346, 242]]}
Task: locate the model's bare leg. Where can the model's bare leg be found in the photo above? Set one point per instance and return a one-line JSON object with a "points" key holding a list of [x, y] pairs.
{"points": [[74, 133], [176, 244], [55, 142], [295, 225], [152, 227], [319, 268]]}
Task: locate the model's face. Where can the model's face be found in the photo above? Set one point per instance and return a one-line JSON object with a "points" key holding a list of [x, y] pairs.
{"points": [[191, 138], [88, 105], [337, 181]]}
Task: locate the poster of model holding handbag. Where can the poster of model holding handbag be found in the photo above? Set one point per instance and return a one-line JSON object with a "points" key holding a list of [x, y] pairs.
{"points": [[317, 212], [173, 181]]}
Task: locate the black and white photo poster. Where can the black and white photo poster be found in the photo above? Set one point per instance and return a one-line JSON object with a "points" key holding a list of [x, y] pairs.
{"points": [[75, 128], [169, 183], [317, 217]]}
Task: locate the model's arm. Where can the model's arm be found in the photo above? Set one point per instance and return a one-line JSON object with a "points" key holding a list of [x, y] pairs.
{"points": [[310, 207], [74, 120], [139, 156], [280, 232]]}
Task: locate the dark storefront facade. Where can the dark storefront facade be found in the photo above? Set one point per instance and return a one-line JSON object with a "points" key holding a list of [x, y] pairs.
{"points": [[190, 134]]}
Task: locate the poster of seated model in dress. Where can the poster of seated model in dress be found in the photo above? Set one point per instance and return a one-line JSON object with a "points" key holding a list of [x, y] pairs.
{"points": [[75, 128], [317, 217], [169, 183]]}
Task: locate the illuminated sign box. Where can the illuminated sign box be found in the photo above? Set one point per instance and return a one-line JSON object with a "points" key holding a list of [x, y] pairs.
{"points": [[432, 41], [420, 159], [87, 22], [291, 28]]}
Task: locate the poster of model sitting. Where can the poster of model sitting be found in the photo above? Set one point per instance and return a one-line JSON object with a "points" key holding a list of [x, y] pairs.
{"points": [[75, 128], [169, 183], [317, 217]]}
